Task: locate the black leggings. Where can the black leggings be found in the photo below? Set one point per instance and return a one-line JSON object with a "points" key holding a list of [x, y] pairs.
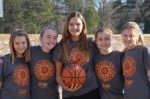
{"points": [[94, 94]]}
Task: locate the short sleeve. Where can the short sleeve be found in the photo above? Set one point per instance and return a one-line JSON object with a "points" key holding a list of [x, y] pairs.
{"points": [[92, 45], [1, 73], [1, 68], [57, 53], [146, 58]]}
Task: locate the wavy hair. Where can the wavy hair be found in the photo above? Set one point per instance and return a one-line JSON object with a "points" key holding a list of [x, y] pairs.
{"points": [[66, 37], [134, 26], [26, 54]]}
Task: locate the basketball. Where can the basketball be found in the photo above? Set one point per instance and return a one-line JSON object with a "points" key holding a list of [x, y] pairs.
{"points": [[73, 74]]}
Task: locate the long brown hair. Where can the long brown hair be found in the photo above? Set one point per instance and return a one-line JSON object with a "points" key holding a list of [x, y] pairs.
{"points": [[66, 37], [26, 54], [134, 26]]}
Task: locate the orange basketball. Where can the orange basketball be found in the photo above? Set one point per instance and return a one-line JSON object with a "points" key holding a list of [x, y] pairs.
{"points": [[73, 74]]}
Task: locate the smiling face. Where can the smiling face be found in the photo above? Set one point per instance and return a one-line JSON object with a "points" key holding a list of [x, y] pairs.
{"points": [[103, 41], [75, 27], [129, 37], [48, 40], [20, 45]]}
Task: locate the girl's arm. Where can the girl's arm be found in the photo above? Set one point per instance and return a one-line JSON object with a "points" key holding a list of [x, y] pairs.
{"points": [[148, 75], [1, 69], [58, 72], [1, 61], [146, 59], [1, 65]]}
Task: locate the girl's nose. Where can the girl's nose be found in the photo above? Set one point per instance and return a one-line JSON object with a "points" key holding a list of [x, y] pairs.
{"points": [[75, 26], [129, 38]]}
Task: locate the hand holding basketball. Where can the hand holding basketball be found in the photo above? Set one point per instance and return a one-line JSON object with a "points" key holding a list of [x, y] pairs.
{"points": [[73, 77]]}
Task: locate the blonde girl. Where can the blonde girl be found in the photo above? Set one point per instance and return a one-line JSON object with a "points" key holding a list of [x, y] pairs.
{"points": [[136, 63], [14, 72]]}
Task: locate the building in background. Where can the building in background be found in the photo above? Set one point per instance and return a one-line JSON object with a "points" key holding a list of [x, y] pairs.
{"points": [[1, 8]]}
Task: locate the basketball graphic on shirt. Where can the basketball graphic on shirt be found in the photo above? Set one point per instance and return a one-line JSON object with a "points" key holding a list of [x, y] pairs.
{"points": [[105, 70], [78, 57], [44, 70], [21, 75], [129, 67]]}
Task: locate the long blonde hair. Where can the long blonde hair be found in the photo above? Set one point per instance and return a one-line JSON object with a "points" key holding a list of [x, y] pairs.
{"points": [[66, 37], [26, 54], [134, 26]]}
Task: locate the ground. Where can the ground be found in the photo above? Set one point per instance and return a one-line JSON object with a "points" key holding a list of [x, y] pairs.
{"points": [[4, 39]]}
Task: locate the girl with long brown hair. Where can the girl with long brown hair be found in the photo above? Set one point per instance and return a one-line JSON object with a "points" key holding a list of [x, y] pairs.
{"points": [[76, 49]]}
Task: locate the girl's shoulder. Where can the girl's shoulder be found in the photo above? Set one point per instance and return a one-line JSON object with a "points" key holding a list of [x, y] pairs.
{"points": [[59, 44], [142, 47], [58, 47], [136, 48], [118, 53], [7, 57], [35, 47], [90, 42], [146, 49]]}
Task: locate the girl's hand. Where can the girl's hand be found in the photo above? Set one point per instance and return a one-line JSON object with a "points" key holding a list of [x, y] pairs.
{"points": [[1, 61], [0, 84], [148, 74], [72, 88]]}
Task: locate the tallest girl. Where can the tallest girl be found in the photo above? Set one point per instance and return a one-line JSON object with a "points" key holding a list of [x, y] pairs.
{"points": [[74, 43]]}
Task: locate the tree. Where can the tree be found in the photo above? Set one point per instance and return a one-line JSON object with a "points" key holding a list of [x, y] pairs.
{"points": [[91, 16], [74, 5], [12, 15], [106, 13], [132, 10], [38, 13], [30, 15], [146, 7]]}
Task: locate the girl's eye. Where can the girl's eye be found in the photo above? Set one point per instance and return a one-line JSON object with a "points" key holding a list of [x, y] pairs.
{"points": [[17, 43], [23, 42], [55, 38], [71, 24], [132, 35], [107, 38], [48, 36], [99, 39], [78, 24], [125, 35]]}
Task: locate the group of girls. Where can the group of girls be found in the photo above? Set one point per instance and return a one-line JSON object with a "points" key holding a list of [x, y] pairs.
{"points": [[34, 72]]}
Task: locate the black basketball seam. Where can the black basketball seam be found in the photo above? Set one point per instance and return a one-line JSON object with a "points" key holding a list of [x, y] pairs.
{"points": [[67, 68], [81, 77], [76, 78]]}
